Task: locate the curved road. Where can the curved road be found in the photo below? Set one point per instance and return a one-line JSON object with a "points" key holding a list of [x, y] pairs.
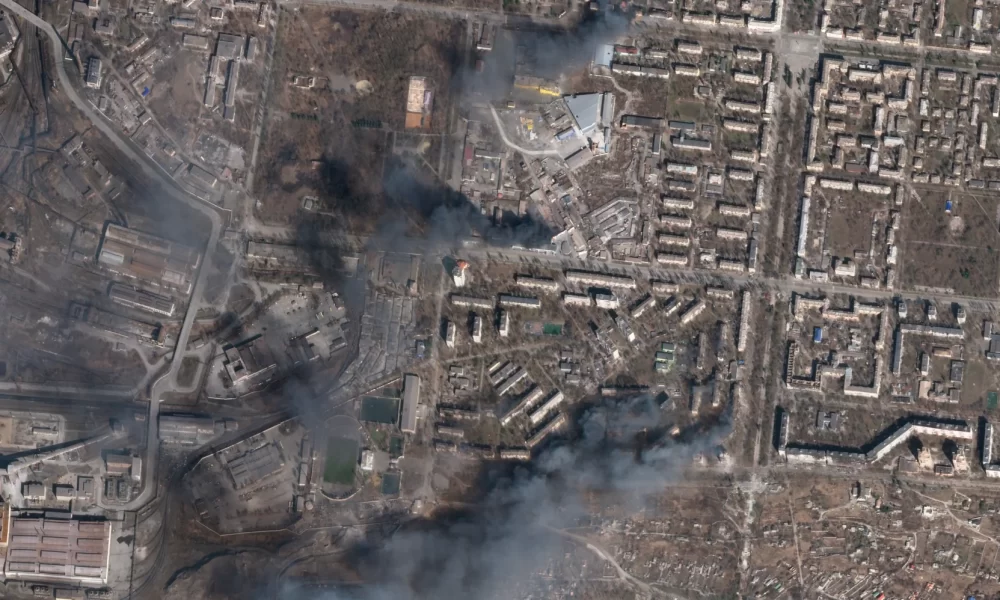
{"points": [[507, 140], [165, 383]]}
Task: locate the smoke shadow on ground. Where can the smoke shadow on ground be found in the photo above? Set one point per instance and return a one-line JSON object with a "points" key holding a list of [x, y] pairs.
{"points": [[545, 52], [444, 217], [425, 215], [320, 246], [345, 189], [493, 541]]}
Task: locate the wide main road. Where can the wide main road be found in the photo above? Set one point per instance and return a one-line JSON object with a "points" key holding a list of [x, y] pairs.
{"points": [[759, 281], [494, 17], [165, 383], [785, 284]]}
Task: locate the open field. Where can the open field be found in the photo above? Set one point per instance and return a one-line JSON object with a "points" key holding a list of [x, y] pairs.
{"points": [[328, 139], [341, 460], [956, 251]]}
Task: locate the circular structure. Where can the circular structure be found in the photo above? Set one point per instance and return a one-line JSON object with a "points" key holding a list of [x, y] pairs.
{"points": [[340, 452], [364, 87]]}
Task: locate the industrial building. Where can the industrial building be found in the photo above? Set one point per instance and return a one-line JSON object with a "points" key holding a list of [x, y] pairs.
{"points": [[641, 122], [187, 430], [254, 465], [232, 81], [58, 549], [133, 297], [277, 255], [229, 46], [593, 114], [148, 258], [33, 490], [93, 76], [116, 324], [196, 42], [411, 400], [247, 361], [117, 463], [486, 37]]}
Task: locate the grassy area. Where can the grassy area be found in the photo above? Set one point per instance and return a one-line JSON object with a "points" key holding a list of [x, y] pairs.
{"points": [[390, 484], [957, 13], [395, 446], [689, 110], [379, 410], [341, 460]]}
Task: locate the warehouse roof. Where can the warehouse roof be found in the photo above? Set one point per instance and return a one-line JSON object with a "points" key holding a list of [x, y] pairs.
{"points": [[411, 399], [42, 549]]}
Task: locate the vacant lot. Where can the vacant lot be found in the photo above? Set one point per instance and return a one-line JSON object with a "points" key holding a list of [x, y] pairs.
{"points": [[956, 250], [330, 140], [849, 222]]}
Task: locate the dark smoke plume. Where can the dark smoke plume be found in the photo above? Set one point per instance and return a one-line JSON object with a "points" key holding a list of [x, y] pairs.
{"points": [[446, 217], [493, 549], [546, 53]]}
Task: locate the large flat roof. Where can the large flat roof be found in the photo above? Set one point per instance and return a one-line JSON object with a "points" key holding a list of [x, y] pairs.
{"points": [[411, 399], [41, 549], [254, 465], [586, 110], [149, 258]]}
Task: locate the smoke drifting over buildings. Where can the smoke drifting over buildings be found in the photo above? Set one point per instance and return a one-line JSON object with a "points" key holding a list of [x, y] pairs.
{"points": [[448, 217], [494, 549], [444, 216], [545, 54]]}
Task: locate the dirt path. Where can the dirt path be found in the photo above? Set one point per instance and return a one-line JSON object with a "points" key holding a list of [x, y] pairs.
{"points": [[507, 140]]}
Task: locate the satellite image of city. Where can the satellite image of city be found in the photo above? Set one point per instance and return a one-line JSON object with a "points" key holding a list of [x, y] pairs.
{"points": [[500, 299]]}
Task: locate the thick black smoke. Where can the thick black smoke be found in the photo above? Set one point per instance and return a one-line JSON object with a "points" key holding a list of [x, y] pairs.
{"points": [[546, 53], [445, 217], [494, 549]]}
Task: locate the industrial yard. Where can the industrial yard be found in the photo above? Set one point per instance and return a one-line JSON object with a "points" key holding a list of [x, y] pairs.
{"points": [[499, 300]]}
